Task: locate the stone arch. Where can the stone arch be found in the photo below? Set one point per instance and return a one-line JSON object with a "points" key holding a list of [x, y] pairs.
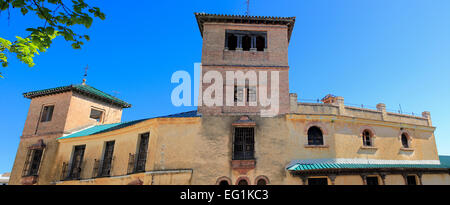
{"points": [[262, 177], [222, 179], [318, 124], [243, 178], [368, 128]]}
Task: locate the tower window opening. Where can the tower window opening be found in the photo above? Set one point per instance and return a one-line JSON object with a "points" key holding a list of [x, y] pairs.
{"points": [[231, 42], [245, 40], [47, 113], [246, 43], [260, 43]]}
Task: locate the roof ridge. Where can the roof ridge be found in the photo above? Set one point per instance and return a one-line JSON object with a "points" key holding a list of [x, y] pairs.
{"points": [[83, 88]]}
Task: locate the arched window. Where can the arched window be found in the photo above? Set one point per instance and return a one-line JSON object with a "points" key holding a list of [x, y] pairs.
{"points": [[315, 136], [242, 182], [224, 182], [367, 138], [261, 182], [405, 142]]}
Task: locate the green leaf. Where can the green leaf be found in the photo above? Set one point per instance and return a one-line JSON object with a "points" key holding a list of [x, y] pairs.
{"points": [[24, 10], [76, 46]]}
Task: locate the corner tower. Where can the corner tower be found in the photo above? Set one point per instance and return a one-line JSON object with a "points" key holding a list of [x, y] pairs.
{"points": [[245, 43], [54, 113]]}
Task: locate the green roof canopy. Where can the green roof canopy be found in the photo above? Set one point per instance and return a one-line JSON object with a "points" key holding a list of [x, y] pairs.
{"points": [[80, 88], [445, 164]]}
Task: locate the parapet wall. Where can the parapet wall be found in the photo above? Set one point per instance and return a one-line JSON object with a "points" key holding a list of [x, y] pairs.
{"points": [[339, 108]]}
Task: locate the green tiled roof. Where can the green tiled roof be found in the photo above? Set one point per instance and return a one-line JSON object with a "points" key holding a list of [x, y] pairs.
{"points": [[101, 129], [83, 89], [445, 164], [111, 127]]}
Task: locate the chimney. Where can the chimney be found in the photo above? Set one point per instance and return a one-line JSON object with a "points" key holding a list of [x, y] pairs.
{"points": [[382, 108]]}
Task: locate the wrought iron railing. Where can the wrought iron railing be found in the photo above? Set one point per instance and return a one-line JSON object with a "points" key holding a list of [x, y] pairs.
{"points": [[72, 172], [136, 162], [102, 168]]}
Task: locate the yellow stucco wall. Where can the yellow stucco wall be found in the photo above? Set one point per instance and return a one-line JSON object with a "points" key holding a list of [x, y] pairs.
{"points": [[204, 145]]}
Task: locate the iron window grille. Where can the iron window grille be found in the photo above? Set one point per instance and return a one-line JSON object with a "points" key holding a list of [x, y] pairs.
{"points": [[367, 139], [32, 162], [244, 143], [136, 162], [315, 136]]}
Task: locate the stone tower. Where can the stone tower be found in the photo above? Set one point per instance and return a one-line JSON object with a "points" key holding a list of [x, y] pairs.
{"points": [[54, 113], [256, 46]]}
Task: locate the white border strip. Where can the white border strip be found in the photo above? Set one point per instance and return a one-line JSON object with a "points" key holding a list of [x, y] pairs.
{"points": [[360, 161]]}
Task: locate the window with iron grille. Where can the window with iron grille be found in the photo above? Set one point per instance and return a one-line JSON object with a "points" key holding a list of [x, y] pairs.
{"points": [[367, 138], [32, 162], [105, 169], [142, 152], [372, 180], [77, 160], [244, 143], [315, 136], [411, 180], [405, 141], [47, 113]]}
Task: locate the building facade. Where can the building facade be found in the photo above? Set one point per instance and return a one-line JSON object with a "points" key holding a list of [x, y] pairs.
{"points": [[74, 134]]}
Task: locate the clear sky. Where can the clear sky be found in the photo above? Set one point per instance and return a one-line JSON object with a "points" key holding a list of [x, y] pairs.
{"points": [[395, 52]]}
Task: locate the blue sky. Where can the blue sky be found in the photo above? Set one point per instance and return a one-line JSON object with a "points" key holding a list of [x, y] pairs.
{"points": [[395, 52]]}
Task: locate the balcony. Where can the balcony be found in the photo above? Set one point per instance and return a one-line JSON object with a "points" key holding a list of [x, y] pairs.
{"points": [[102, 168], [72, 172], [136, 162]]}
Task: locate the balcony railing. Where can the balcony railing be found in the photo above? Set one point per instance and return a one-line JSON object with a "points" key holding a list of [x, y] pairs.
{"points": [[102, 168], [72, 172], [136, 162]]}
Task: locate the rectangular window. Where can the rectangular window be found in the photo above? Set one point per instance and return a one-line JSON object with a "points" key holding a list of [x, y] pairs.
{"points": [[35, 162], [96, 115], [142, 152], [107, 159], [238, 93], [372, 180], [47, 112], [244, 143], [245, 40], [317, 181], [251, 94], [77, 160], [411, 180]]}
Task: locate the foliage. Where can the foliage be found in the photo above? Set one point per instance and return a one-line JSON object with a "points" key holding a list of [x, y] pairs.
{"points": [[59, 19]]}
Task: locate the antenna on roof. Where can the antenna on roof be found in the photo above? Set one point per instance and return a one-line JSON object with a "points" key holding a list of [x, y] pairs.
{"points": [[85, 75], [248, 7]]}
